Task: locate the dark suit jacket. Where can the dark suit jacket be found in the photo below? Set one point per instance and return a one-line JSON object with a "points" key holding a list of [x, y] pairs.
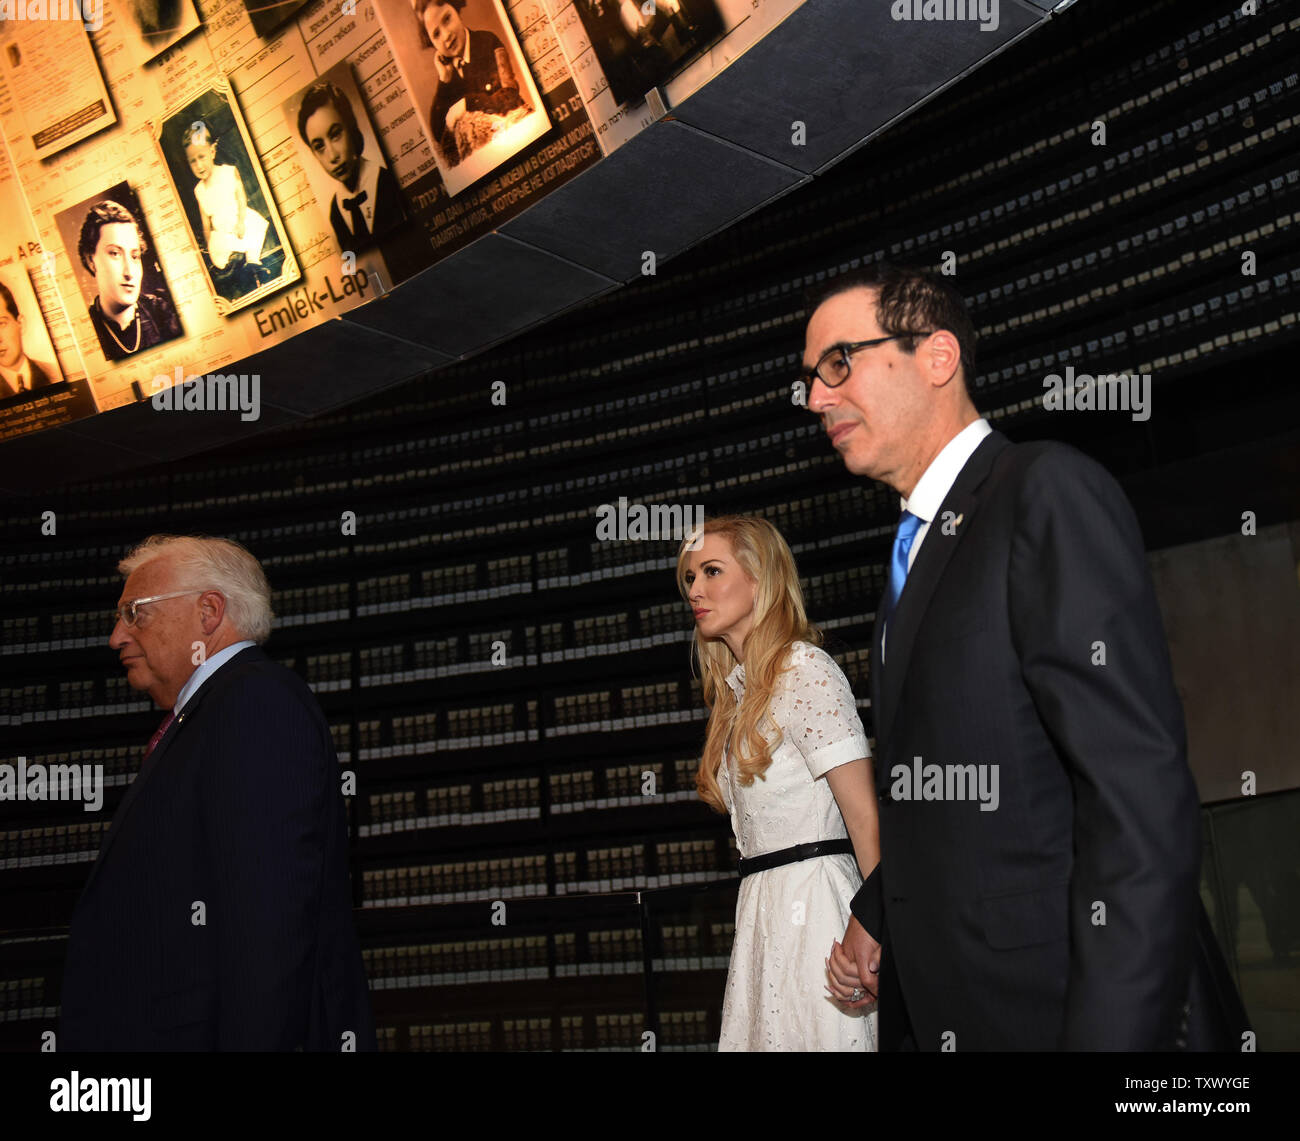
{"points": [[481, 88], [41, 377], [388, 214], [41, 374], [238, 808], [1068, 917]]}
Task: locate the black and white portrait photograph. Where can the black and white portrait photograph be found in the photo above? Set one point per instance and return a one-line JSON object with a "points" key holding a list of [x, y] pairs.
{"points": [[469, 80], [128, 302], [353, 185], [35, 393], [227, 202], [640, 45], [27, 360], [154, 25]]}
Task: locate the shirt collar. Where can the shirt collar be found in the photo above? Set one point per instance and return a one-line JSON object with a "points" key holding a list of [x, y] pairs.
{"points": [[463, 56], [20, 377], [736, 679], [933, 486], [367, 180], [206, 670]]}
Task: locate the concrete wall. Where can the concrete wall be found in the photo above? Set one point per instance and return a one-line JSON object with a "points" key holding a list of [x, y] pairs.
{"points": [[1231, 608]]}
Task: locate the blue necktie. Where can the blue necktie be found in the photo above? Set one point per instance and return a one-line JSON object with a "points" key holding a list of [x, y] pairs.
{"points": [[908, 525]]}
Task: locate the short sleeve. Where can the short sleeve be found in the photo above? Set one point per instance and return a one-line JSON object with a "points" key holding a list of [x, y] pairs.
{"points": [[822, 719]]}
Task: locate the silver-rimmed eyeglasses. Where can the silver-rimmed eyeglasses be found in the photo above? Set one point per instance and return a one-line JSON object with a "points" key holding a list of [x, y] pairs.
{"points": [[129, 612]]}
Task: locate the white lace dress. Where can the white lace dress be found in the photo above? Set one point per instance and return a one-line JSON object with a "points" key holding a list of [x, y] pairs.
{"points": [[786, 917]]}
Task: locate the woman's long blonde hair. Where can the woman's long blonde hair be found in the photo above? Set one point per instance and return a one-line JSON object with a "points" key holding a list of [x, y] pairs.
{"points": [[779, 620]]}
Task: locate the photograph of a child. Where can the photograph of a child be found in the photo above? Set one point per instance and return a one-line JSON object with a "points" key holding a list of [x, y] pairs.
{"points": [[227, 202], [470, 83], [641, 45], [350, 179], [127, 299]]}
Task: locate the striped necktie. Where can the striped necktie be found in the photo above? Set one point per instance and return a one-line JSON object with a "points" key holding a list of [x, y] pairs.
{"points": [[158, 733]]}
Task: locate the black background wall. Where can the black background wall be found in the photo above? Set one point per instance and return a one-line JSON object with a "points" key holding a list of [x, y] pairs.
{"points": [[499, 681]]}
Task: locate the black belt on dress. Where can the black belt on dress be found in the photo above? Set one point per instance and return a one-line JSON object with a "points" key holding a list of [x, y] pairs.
{"points": [[793, 855]]}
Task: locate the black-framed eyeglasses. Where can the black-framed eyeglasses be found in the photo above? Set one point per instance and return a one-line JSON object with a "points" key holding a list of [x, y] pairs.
{"points": [[835, 365], [129, 612]]}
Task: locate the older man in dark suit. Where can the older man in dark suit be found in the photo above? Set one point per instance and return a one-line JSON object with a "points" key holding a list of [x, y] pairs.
{"points": [[218, 915], [1040, 837]]}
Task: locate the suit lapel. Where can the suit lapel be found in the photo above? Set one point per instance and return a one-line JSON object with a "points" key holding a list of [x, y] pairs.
{"points": [[946, 531], [151, 763], [147, 769]]}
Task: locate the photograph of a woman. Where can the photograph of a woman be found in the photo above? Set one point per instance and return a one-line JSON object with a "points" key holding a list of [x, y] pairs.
{"points": [[127, 298]]}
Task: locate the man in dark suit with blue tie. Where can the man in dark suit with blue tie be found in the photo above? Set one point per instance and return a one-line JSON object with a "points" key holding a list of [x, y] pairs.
{"points": [[1040, 839], [218, 914]]}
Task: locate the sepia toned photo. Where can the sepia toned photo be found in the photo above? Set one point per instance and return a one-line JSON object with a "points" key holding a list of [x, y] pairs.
{"points": [[34, 392], [353, 185], [641, 45], [155, 25], [128, 302], [469, 80], [27, 360], [267, 15], [227, 203]]}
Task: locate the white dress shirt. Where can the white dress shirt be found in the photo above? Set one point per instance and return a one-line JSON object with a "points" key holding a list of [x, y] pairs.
{"points": [[935, 483], [206, 670]]}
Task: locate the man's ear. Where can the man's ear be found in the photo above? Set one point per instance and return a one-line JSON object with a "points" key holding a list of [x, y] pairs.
{"points": [[212, 609], [943, 356]]}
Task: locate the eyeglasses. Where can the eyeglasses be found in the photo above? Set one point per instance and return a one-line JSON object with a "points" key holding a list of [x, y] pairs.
{"points": [[129, 612], [834, 367]]}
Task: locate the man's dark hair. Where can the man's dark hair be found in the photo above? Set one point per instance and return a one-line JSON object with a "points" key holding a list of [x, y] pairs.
{"points": [[98, 216], [324, 94], [9, 301], [420, 5], [910, 300]]}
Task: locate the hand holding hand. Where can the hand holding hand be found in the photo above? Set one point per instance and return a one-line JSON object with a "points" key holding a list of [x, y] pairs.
{"points": [[853, 968]]}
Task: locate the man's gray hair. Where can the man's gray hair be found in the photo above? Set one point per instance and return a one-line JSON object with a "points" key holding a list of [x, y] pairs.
{"points": [[204, 563]]}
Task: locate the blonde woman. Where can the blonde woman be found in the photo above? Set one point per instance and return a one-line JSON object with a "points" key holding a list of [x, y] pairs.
{"points": [[786, 756]]}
